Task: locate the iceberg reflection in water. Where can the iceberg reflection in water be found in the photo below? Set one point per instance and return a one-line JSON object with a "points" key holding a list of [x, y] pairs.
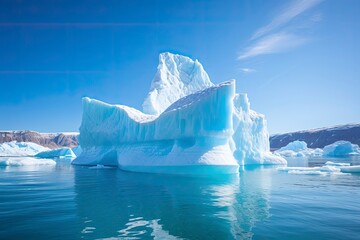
{"points": [[63, 201], [121, 204]]}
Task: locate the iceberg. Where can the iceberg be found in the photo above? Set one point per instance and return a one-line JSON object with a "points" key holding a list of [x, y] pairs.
{"points": [[351, 169], [341, 148], [188, 125], [339, 164], [323, 170], [25, 161], [57, 153], [77, 150], [298, 149], [14, 149], [329, 168]]}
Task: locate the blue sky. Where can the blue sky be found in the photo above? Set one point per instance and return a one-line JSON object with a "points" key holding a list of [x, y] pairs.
{"points": [[297, 60]]}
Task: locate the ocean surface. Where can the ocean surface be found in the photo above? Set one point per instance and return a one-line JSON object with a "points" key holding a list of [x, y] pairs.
{"points": [[74, 202]]}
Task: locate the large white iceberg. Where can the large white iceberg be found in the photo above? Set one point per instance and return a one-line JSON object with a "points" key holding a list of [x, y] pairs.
{"points": [[341, 148], [192, 126], [14, 149]]}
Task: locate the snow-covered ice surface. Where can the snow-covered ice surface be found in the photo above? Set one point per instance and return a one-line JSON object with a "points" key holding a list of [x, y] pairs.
{"points": [[341, 148], [20, 149], [192, 123], [57, 153], [298, 149], [25, 161], [176, 77]]}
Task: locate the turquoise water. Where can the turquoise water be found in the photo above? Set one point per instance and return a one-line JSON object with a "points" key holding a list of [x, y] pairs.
{"points": [[69, 202]]}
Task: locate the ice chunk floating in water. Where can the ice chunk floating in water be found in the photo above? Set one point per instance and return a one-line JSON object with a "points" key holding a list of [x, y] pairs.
{"points": [[341, 148], [298, 149], [351, 169], [25, 161], [57, 153], [324, 170], [20, 149], [193, 126], [330, 163]]}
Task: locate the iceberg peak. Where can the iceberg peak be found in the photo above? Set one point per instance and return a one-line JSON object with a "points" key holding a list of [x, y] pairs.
{"points": [[241, 101], [176, 77]]}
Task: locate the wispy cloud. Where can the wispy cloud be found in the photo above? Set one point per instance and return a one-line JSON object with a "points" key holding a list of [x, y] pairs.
{"points": [[247, 70], [271, 44], [279, 35], [289, 13]]}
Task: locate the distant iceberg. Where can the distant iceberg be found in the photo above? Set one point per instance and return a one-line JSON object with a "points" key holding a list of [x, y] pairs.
{"points": [[15, 149], [190, 125], [341, 148], [298, 149], [323, 170], [351, 169], [329, 168], [336, 149], [57, 153], [25, 161]]}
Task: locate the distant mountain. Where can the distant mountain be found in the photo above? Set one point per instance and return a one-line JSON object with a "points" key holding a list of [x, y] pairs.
{"points": [[50, 140], [320, 137]]}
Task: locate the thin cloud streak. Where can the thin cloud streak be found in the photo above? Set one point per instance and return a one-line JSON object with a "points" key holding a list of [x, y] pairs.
{"points": [[287, 15], [247, 70], [274, 43]]}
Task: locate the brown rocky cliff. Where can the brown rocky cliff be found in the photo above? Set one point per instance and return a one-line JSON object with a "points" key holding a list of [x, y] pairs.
{"points": [[50, 140]]}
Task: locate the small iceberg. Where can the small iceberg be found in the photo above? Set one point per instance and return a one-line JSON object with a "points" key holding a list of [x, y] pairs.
{"points": [[328, 169], [330, 163], [324, 170], [298, 149], [25, 161], [16, 149], [341, 148], [57, 153], [351, 169]]}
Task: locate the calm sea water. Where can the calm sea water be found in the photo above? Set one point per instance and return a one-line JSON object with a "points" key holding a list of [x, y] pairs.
{"points": [[73, 202]]}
